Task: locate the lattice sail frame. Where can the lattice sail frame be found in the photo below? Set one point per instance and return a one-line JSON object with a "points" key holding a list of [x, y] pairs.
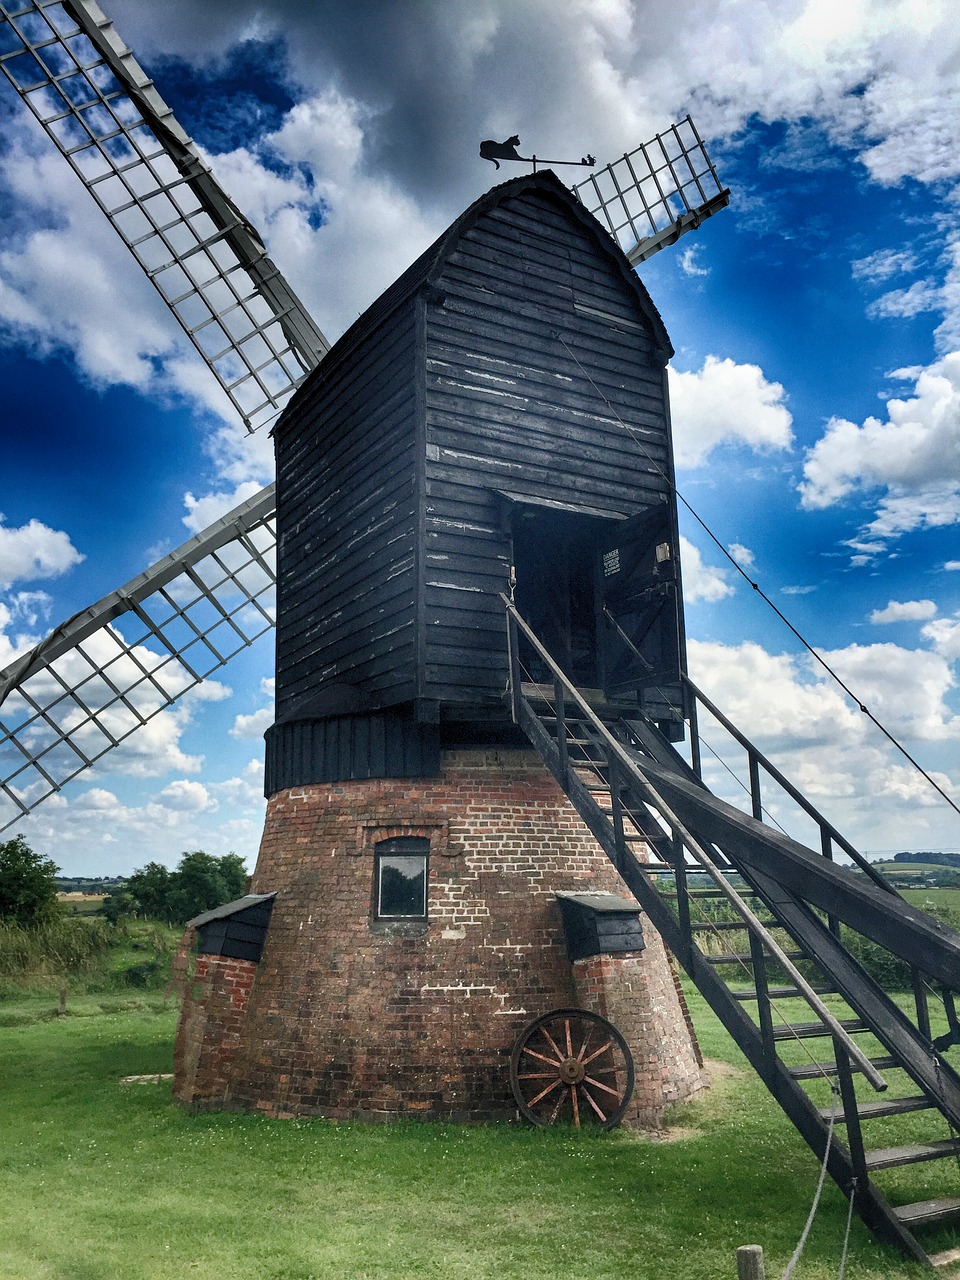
{"points": [[89, 685], [651, 196], [121, 139]]}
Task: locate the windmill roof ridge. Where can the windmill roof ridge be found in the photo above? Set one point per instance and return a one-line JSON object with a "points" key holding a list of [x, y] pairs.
{"points": [[425, 269]]}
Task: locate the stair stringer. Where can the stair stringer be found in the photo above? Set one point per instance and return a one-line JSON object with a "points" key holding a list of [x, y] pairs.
{"points": [[872, 1206]]}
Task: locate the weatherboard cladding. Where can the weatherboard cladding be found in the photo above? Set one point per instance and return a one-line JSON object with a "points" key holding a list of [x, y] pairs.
{"points": [[508, 357]]}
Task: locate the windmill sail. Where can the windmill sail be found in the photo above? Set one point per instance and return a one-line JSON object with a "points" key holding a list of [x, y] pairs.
{"points": [[110, 669], [653, 195], [121, 139]]}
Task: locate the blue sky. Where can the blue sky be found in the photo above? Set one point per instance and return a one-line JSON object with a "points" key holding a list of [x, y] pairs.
{"points": [[816, 386]]}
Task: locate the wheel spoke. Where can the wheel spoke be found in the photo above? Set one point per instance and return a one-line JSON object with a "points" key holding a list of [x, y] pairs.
{"points": [[586, 1041], [556, 1110], [569, 1039], [597, 1052], [576, 1106], [553, 1062], [605, 1087], [553, 1045], [586, 1094], [549, 1089]]}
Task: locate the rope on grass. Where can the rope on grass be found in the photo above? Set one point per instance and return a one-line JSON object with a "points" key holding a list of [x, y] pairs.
{"points": [[816, 1198], [846, 1238]]}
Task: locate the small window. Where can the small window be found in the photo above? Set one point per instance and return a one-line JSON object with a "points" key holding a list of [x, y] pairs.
{"points": [[400, 885]]}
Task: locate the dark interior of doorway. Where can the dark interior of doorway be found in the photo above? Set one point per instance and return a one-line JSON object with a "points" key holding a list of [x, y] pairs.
{"points": [[553, 557]]}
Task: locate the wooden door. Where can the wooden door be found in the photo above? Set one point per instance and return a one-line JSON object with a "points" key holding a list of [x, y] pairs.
{"points": [[638, 604]]}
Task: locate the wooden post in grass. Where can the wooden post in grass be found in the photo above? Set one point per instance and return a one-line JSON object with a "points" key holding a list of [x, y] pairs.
{"points": [[750, 1262], [62, 1006]]}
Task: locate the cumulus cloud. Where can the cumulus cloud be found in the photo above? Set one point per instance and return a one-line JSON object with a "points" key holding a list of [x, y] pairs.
{"points": [[726, 403], [257, 723], [801, 719], [944, 635], [701, 581], [904, 611], [910, 462], [34, 551], [187, 795]]}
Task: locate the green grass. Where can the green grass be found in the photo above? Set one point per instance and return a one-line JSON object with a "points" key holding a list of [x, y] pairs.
{"points": [[101, 1181]]}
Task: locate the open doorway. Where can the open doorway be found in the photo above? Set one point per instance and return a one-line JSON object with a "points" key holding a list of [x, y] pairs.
{"points": [[553, 556], [602, 597]]}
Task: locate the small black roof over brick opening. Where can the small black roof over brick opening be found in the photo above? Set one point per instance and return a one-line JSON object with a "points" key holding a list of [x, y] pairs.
{"points": [[237, 929], [599, 924]]}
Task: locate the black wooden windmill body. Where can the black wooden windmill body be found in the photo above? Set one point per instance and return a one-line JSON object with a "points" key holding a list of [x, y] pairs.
{"points": [[476, 550]]}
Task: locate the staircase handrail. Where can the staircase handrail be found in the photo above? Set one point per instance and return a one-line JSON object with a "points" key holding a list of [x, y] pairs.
{"points": [[825, 825], [688, 840]]}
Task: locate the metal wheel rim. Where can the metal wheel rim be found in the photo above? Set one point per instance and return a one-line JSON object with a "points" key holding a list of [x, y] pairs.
{"points": [[571, 1064]]}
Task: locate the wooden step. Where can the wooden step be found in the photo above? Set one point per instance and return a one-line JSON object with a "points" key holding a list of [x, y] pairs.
{"points": [[928, 1211], [817, 1070], [873, 1110], [810, 1030], [893, 1157], [735, 957], [781, 993], [723, 924]]}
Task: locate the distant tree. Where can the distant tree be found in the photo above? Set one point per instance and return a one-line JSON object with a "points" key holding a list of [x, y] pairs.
{"points": [[28, 887], [200, 882]]}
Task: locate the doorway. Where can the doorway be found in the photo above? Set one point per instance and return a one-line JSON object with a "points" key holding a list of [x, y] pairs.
{"points": [[553, 556], [601, 595]]}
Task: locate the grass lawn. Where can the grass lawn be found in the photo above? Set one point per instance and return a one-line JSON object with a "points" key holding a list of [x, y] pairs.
{"points": [[100, 1180]]}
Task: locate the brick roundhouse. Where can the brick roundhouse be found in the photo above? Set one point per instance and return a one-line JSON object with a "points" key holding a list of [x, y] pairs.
{"points": [[469, 431]]}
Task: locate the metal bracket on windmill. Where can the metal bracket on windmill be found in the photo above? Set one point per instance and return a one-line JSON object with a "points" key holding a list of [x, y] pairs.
{"points": [[507, 150]]}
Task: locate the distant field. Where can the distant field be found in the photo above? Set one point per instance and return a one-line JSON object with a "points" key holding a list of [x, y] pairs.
{"points": [[82, 904], [948, 898]]}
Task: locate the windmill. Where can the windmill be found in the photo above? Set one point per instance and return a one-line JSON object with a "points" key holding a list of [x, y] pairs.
{"points": [[102, 674], [350, 838]]}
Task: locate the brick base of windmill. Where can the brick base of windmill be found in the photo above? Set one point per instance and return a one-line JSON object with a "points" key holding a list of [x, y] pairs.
{"points": [[352, 1012]]}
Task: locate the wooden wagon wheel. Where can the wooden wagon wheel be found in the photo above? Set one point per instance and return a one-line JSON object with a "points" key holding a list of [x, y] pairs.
{"points": [[571, 1065]]}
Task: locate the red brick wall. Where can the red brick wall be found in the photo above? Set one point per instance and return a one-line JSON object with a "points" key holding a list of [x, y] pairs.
{"points": [[215, 994], [349, 1017], [638, 994]]}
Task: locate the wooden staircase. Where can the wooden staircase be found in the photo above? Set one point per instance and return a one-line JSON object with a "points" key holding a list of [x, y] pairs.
{"points": [[762, 925]]}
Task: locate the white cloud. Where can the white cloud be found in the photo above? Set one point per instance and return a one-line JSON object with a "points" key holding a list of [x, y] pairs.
{"points": [[34, 551], [188, 796], [911, 460], [952, 566], [882, 264], [256, 724], [944, 635], [801, 719], [689, 261], [203, 512], [701, 581], [743, 555], [253, 726], [904, 611], [726, 403], [922, 295]]}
